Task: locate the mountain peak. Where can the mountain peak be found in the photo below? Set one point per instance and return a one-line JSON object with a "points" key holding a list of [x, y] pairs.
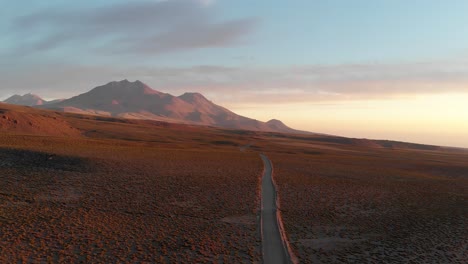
{"points": [[125, 86], [193, 97], [275, 122], [278, 125], [28, 95]]}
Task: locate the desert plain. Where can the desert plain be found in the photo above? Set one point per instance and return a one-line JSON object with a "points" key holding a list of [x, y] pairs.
{"points": [[78, 188]]}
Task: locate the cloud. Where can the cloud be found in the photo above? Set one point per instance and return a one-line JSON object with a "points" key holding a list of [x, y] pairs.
{"points": [[193, 36], [134, 27], [206, 2], [321, 82], [259, 85]]}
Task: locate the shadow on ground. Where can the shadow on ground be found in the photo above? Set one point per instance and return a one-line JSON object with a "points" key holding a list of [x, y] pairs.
{"points": [[27, 159]]}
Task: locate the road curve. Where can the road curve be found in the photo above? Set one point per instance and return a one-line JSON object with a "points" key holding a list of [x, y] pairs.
{"points": [[273, 247]]}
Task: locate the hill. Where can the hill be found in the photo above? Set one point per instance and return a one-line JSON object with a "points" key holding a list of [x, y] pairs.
{"points": [[30, 121]]}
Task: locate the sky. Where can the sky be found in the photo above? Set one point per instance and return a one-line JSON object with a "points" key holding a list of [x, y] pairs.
{"points": [[369, 69]]}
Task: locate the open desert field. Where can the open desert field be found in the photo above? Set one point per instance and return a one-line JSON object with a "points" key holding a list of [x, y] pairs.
{"points": [[102, 189], [128, 193], [343, 204]]}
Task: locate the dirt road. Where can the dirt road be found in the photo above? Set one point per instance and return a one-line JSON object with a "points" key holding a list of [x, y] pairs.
{"points": [[273, 248]]}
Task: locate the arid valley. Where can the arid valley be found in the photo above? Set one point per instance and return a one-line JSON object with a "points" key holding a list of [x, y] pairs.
{"points": [[81, 188]]}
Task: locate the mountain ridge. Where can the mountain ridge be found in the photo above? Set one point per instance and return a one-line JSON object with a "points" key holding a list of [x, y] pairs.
{"points": [[137, 100]]}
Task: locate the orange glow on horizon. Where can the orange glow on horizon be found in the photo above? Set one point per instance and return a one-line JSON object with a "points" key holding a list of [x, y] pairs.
{"points": [[431, 119]]}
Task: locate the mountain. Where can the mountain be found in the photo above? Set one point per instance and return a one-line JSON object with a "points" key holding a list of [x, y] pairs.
{"points": [[277, 125], [139, 101], [27, 100]]}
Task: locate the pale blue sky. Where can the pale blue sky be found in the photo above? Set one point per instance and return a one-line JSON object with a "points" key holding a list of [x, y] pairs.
{"points": [[281, 33], [336, 32], [240, 53]]}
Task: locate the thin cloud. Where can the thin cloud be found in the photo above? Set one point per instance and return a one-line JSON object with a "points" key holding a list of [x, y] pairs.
{"points": [[195, 36], [149, 27]]}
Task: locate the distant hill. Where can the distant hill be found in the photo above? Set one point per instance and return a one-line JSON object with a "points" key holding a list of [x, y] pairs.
{"points": [[139, 101], [27, 100]]}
